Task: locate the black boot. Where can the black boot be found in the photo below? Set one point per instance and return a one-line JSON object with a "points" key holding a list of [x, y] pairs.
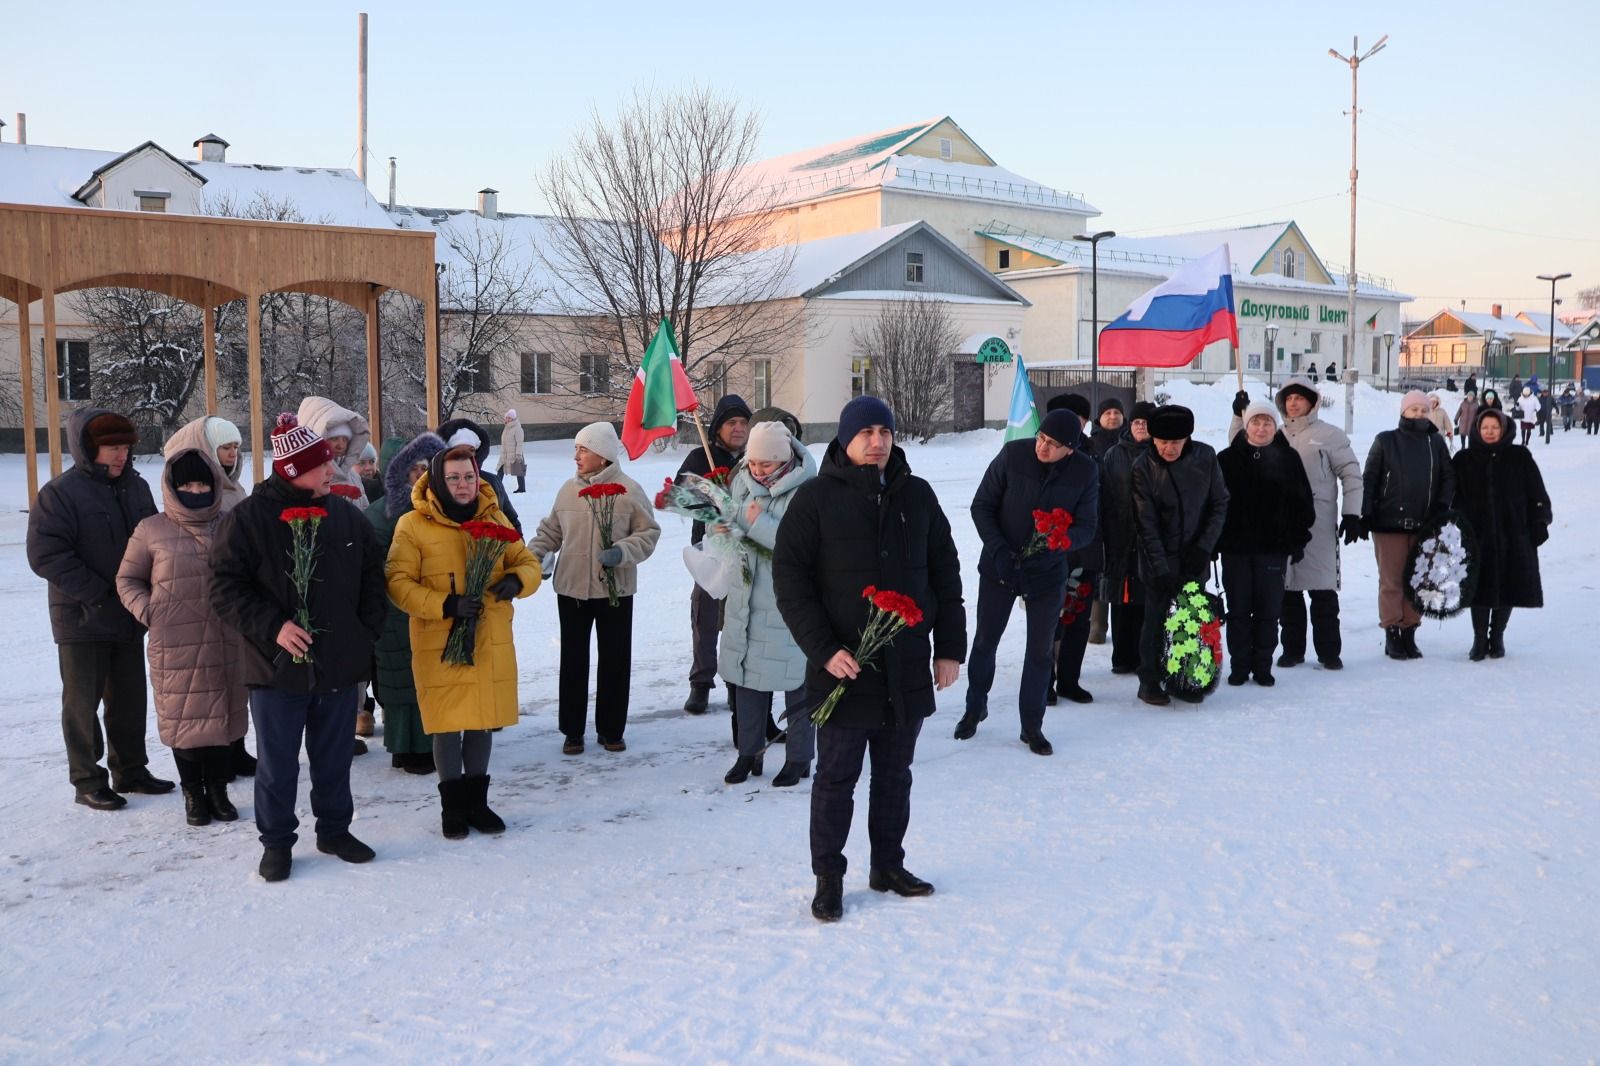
{"points": [[1497, 632], [1074, 692], [479, 816], [1408, 637], [218, 769], [967, 728], [453, 808], [699, 698], [828, 904], [1153, 695], [1480, 635], [275, 863], [191, 775], [196, 809], [791, 774], [744, 767], [346, 847], [1394, 645], [1036, 742]]}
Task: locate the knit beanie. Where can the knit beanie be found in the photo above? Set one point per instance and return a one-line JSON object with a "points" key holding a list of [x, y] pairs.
{"points": [[1260, 407], [220, 433], [191, 467], [1142, 410], [1063, 427], [770, 442], [368, 452], [1172, 422], [511, 415], [1418, 397], [861, 413], [1071, 401], [295, 448], [110, 430], [600, 438], [1110, 403]]}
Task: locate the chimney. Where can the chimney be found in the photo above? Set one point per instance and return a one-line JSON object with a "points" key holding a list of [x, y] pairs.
{"points": [[22, 128], [489, 203], [1496, 309], [391, 183], [213, 149]]}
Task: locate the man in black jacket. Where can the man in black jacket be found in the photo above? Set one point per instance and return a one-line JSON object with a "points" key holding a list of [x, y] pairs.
{"points": [[730, 427], [1124, 593], [77, 533], [1179, 505], [1043, 474], [303, 683], [866, 521]]}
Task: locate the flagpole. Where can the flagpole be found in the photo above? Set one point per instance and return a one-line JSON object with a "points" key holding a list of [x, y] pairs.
{"points": [[1238, 365], [705, 441]]}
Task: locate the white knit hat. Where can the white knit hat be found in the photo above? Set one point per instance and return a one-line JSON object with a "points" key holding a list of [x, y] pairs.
{"points": [[1260, 407], [220, 432], [510, 416], [769, 442], [600, 438], [338, 429]]}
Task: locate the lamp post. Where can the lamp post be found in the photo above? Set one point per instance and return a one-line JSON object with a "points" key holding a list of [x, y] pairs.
{"points": [[1354, 61], [1093, 240], [1550, 379], [1488, 354], [1388, 357], [1272, 337]]}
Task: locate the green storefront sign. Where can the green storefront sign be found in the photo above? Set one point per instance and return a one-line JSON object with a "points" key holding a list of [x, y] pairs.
{"points": [[1294, 312], [994, 350]]}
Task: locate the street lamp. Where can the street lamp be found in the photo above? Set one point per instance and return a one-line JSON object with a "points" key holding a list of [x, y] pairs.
{"points": [[1093, 240], [1388, 357], [1488, 354], [1550, 381], [1354, 61], [1272, 336]]}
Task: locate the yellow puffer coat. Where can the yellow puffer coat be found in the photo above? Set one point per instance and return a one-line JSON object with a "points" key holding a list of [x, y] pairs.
{"points": [[427, 550]]}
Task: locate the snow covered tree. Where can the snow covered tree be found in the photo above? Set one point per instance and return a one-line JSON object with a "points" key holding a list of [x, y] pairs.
{"points": [[910, 344], [147, 353]]}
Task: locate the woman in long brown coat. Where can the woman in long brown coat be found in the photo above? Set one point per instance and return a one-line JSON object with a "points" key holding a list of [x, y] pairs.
{"points": [[165, 582]]}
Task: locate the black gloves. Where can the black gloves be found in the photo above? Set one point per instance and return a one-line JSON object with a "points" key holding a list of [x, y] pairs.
{"points": [[1352, 529], [1165, 585], [1241, 400], [506, 588], [1195, 562], [1007, 568], [462, 606]]}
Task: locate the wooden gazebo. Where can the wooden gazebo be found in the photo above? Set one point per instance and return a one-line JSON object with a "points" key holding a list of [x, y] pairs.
{"points": [[207, 261]]}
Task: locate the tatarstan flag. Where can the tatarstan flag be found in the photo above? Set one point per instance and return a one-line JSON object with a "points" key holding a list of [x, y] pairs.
{"points": [[660, 390]]}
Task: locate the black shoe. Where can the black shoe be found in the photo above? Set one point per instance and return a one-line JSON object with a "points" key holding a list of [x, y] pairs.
{"points": [[276, 863], [1050, 697], [244, 764], [1153, 695], [612, 745], [1286, 660], [222, 808], [791, 774], [1408, 639], [744, 767], [1480, 647], [828, 904], [1497, 646], [1265, 679], [1036, 742], [360, 748], [1238, 677], [345, 847], [572, 746], [699, 699], [143, 781], [900, 881], [1498, 619], [479, 815], [1076, 693], [420, 764], [1394, 645], [1332, 662], [101, 799], [453, 808], [1124, 670], [967, 728], [196, 811]]}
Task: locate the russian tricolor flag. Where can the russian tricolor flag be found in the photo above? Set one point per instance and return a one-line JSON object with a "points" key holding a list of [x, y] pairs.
{"points": [[1172, 323]]}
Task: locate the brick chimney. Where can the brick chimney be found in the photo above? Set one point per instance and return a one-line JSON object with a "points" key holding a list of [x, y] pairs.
{"points": [[489, 203], [1496, 310], [213, 149]]}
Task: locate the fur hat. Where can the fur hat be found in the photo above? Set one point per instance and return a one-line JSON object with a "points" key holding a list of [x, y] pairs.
{"points": [[1077, 403], [295, 448], [600, 438], [770, 442], [1142, 410], [1172, 422], [421, 449], [862, 413], [1063, 427], [110, 430], [1260, 407]]}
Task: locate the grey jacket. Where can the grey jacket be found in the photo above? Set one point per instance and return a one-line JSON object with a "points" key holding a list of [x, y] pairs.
{"points": [[1331, 467]]}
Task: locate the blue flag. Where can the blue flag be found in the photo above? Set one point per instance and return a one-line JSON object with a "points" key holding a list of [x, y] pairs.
{"points": [[1023, 418]]}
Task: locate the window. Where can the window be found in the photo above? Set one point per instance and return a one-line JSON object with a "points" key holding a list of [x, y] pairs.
{"points": [[947, 148], [153, 203], [761, 382], [594, 373], [1430, 353], [1458, 352], [714, 381], [1316, 343], [1288, 263], [72, 369], [861, 377], [1005, 259], [1377, 355], [913, 268], [476, 374], [535, 373]]}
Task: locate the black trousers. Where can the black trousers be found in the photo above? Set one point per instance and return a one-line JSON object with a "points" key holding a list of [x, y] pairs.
{"points": [[1071, 642], [705, 624], [613, 632], [325, 720], [1254, 588], [1153, 638], [112, 673], [196, 766], [995, 602], [1324, 624], [1127, 619], [840, 751]]}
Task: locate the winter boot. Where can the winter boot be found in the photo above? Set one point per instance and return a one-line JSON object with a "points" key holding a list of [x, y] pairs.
{"points": [[967, 728], [275, 864], [699, 699], [346, 847], [218, 769], [1480, 635], [744, 767], [828, 904], [1153, 695], [479, 816], [453, 808], [1075, 693], [1394, 644], [1497, 632], [1408, 638], [191, 776], [791, 774]]}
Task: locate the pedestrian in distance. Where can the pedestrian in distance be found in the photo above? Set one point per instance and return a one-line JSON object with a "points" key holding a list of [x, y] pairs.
{"points": [[512, 461], [1527, 413]]}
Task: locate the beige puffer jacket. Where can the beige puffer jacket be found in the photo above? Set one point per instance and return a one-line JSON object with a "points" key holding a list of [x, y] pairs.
{"points": [[571, 530], [195, 662], [319, 414], [192, 438]]}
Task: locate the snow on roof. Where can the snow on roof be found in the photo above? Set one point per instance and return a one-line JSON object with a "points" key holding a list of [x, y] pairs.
{"points": [[1481, 322], [1540, 321]]}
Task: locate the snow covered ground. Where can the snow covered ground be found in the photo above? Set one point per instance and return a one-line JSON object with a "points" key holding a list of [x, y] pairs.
{"points": [[1396, 863]]}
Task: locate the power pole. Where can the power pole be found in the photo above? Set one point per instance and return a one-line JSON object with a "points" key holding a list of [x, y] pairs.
{"points": [[1354, 61]]}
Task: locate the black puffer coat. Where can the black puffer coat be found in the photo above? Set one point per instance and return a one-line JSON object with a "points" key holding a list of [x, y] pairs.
{"points": [[77, 533], [1117, 531], [1270, 506], [1178, 511], [1500, 490], [252, 594], [844, 530], [1407, 478], [1014, 486]]}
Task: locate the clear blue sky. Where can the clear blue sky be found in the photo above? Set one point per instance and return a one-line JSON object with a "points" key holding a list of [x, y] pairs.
{"points": [[1167, 116]]}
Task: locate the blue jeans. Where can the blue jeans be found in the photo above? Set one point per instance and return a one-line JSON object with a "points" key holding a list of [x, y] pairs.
{"points": [[327, 722]]}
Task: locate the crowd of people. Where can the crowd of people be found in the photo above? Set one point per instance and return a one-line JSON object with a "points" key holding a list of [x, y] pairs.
{"points": [[401, 567]]}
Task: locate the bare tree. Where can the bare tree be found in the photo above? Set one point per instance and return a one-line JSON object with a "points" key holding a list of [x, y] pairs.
{"points": [[910, 344], [149, 354], [1589, 297], [655, 216]]}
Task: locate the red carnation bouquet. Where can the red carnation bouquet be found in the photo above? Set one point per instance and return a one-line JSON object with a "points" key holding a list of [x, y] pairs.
{"points": [[486, 543], [720, 476], [890, 613], [348, 491], [602, 500], [1049, 531], [303, 523]]}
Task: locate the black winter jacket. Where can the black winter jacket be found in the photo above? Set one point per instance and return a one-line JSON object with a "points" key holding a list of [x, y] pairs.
{"points": [[252, 593], [1500, 490], [846, 529], [1178, 509], [1270, 506], [77, 533], [1016, 484], [1117, 530], [696, 463], [1407, 478]]}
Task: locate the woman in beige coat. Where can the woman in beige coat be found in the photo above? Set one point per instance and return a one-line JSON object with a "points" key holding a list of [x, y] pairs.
{"points": [[582, 601], [165, 582]]}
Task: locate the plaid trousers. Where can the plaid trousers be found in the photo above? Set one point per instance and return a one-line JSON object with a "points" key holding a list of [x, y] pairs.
{"points": [[840, 752]]}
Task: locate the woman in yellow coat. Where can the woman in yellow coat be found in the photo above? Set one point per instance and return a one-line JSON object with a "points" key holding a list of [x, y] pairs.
{"points": [[427, 570]]}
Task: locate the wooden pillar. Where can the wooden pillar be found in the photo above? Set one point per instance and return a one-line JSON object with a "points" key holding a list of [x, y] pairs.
{"points": [[52, 386], [30, 446], [374, 378], [430, 353], [252, 329], [209, 325]]}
